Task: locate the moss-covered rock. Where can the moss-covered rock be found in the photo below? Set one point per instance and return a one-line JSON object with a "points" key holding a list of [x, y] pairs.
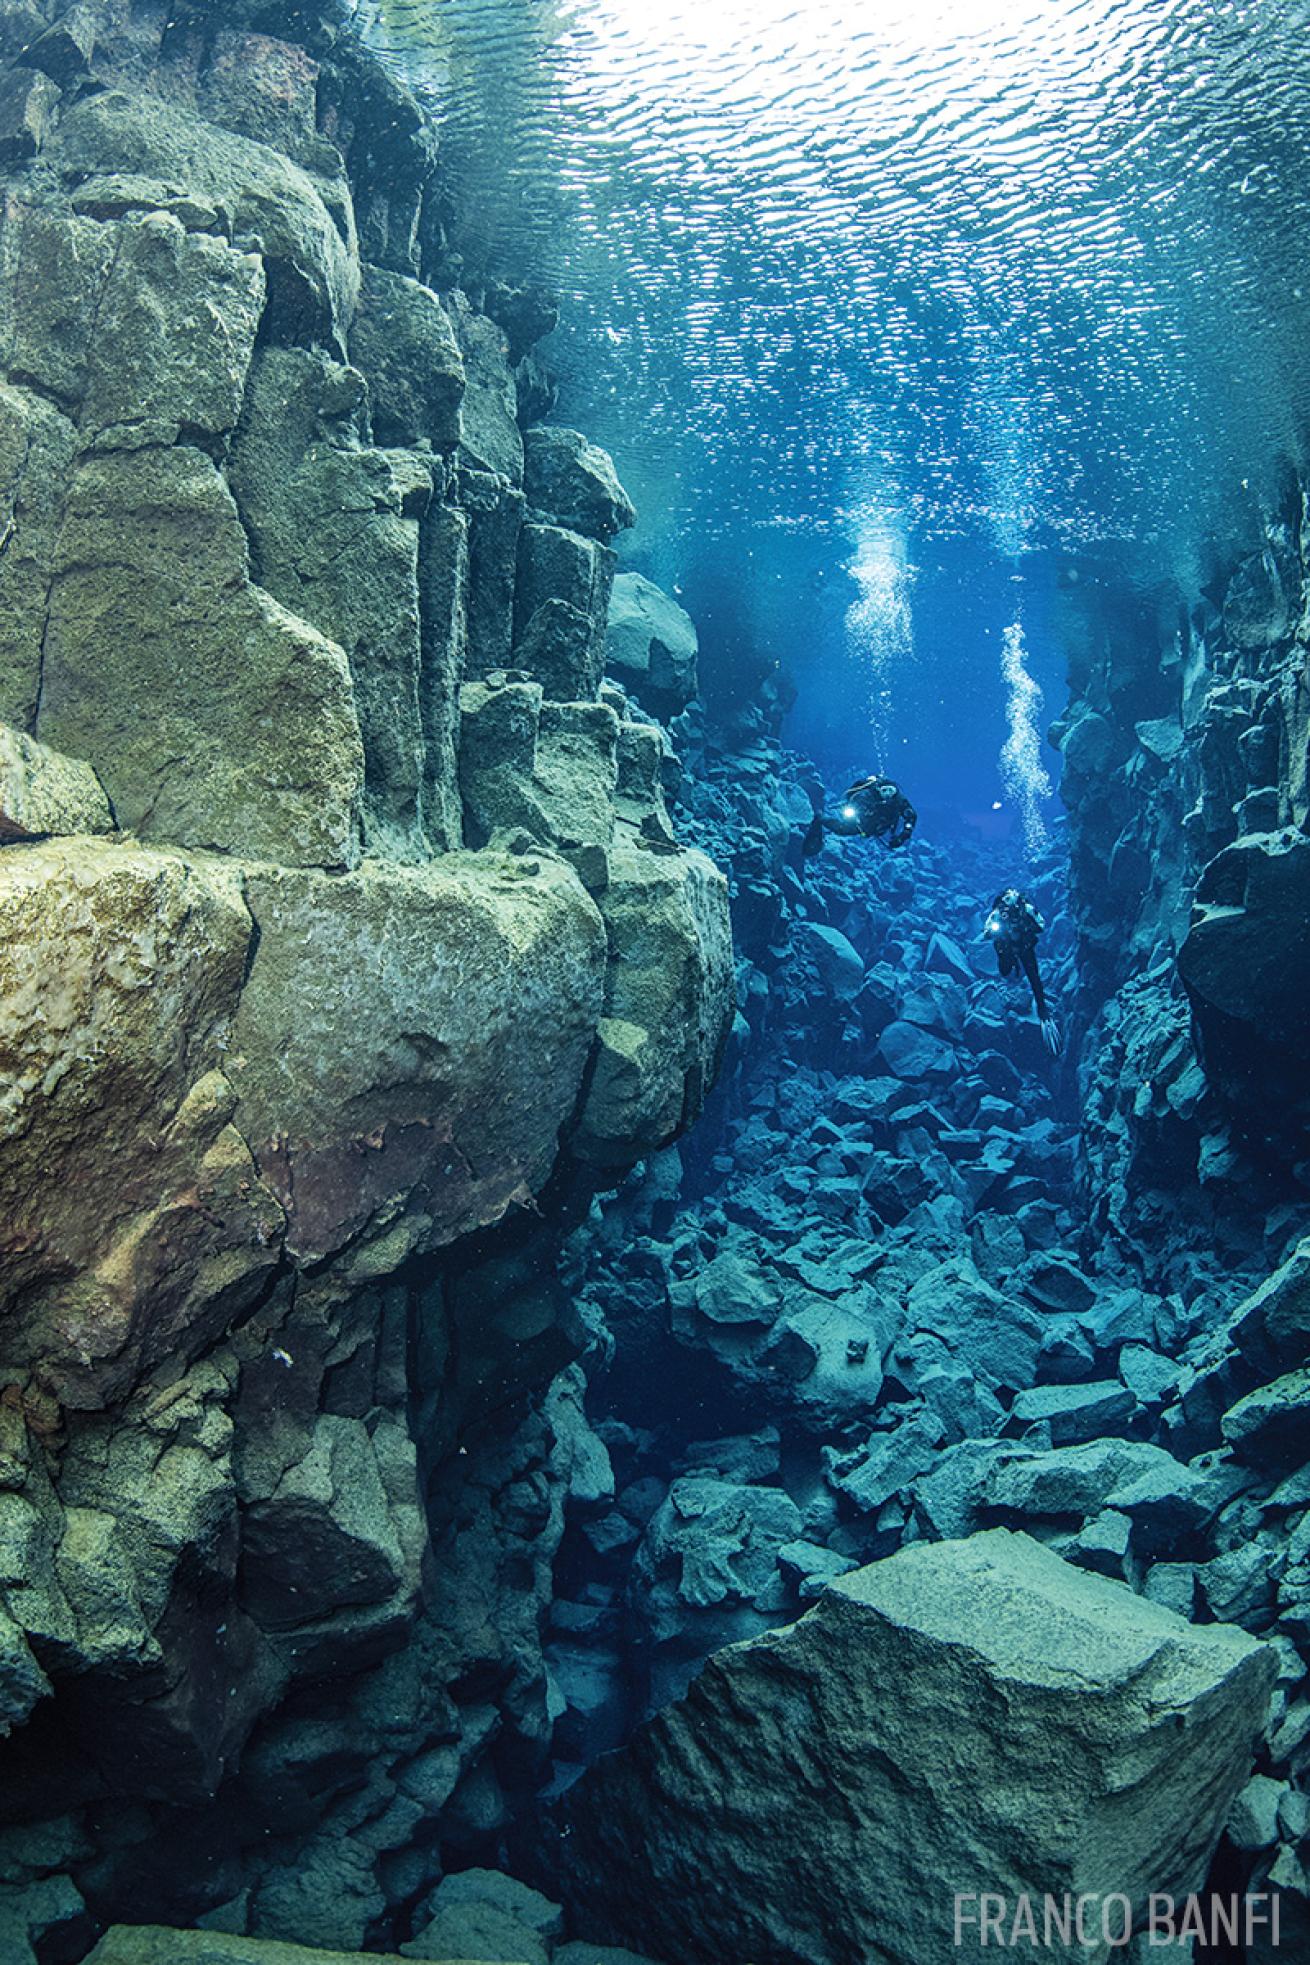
{"points": [[213, 717], [135, 1223], [410, 1042], [335, 528], [668, 1000], [43, 792], [403, 341]]}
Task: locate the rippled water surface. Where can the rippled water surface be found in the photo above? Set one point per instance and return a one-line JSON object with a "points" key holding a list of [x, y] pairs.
{"points": [[900, 295]]}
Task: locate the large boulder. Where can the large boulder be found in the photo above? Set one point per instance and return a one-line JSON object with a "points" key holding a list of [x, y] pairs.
{"points": [[303, 223], [668, 1001], [652, 646], [135, 1224], [213, 717], [403, 341], [573, 483], [411, 1040], [964, 1718]]}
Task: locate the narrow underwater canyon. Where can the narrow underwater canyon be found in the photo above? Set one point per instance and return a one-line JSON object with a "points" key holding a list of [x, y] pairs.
{"points": [[490, 1222]]}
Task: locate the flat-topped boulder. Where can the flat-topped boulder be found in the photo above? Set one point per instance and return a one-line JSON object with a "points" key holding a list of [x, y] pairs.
{"points": [[964, 1717]]}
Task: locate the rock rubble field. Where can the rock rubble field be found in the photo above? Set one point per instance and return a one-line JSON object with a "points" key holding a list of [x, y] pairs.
{"points": [[576, 1386]]}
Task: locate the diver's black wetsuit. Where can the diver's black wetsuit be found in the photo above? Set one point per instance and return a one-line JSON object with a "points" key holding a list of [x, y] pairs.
{"points": [[1013, 928], [873, 808]]}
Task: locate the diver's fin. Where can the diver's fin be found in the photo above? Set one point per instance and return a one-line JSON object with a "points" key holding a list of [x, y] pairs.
{"points": [[813, 839], [1051, 1036]]}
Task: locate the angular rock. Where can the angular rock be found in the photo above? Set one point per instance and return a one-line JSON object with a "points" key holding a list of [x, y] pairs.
{"points": [[730, 1290], [480, 1913], [489, 427], [403, 341], [37, 447], [173, 336], [42, 792], [652, 646], [494, 510], [327, 1539], [136, 1225], [837, 964], [26, 102], [379, 1008], [782, 1810], [212, 716], [336, 529], [303, 223], [997, 1337], [1076, 1413], [668, 1002], [911, 1052], [1243, 962], [560, 604], [547, 769], [1269, 1425], [573, 483]]}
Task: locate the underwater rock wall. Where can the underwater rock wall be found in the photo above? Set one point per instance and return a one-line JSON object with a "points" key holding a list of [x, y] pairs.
{"points": [[343, 919], [1185, 749]]}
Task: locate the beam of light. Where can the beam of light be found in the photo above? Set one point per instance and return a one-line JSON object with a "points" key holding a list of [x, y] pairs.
{"points": [[1022, 771]]}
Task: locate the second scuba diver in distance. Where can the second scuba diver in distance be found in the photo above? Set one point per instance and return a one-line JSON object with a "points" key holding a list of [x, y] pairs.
{"points": [[1013, 928], [872, 808]]}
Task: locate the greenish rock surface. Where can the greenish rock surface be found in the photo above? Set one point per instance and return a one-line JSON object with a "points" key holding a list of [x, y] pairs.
{"points": [[137, 1225], [153, 1945], [403, 341], [963, 1717], [410, 1042], [668, 1001], [561, 599], [547, 769], [573, 483], [37, 447], [335, 527], [42, 791], [304, 223], [272, 1035], [213, 716]]}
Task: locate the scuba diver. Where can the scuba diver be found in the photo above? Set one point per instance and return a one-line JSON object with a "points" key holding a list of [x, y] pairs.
{"points": [[873, 808], [1013, 928]]}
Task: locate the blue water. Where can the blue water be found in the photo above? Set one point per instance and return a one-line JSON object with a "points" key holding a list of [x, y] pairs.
{"points": [[901, 316]]}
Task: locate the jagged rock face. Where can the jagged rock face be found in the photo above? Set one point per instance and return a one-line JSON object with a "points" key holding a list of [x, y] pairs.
{"points": [[283, 1030], [1245, 963], [967, 1717], [1186, 745]]}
